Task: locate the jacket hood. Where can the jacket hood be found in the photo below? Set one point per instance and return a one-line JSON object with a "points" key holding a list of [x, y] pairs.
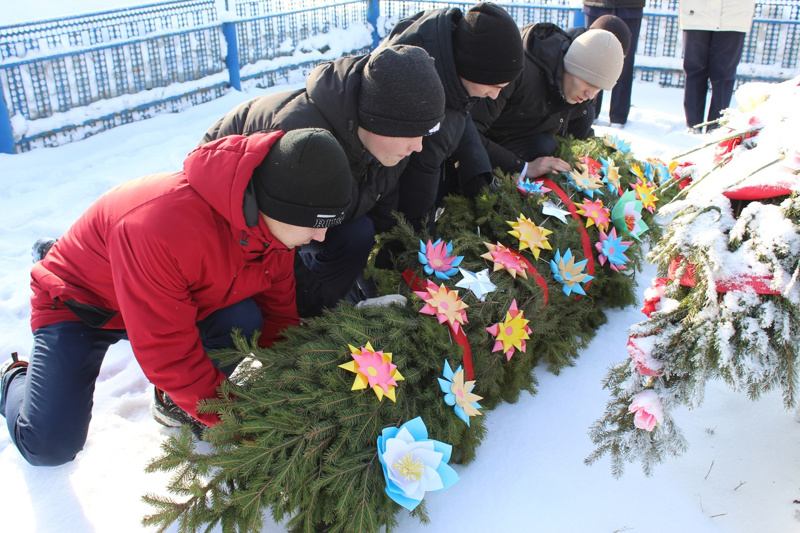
{"points": [[220, 173], [545, 46], [433, 31], [334, 88]]}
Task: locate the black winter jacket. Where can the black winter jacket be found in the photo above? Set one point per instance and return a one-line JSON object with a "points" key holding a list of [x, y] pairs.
{"points": [[530, 106], [433, 31], [329, 101]]}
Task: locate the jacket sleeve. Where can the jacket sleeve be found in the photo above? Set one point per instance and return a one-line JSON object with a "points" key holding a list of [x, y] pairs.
{"points": [[278, 305], [474, 169], [160, 318], [483, 114], [419, 182]]}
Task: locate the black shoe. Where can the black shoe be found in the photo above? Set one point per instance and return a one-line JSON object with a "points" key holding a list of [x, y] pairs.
{"points": [[167, 413], [8, 371], [40, 249]]}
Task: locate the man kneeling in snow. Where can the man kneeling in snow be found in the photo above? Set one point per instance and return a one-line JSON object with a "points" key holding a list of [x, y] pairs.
{"points": [[171, 262]]}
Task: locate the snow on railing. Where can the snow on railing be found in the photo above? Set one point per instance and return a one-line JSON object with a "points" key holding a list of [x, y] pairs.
{"points": [[65, 79]]}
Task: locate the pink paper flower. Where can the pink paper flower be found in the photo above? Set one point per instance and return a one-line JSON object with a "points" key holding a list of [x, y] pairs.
{"points": [[648, 411], [444, 304]]}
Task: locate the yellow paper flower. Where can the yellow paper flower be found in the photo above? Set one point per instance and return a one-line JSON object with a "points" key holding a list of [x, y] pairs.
{"points": [[530, 235], [512, 333], [644, 192]]}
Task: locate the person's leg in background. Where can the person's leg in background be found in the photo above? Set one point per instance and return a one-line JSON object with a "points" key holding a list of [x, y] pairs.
{"points": [[695, 65], [725, 52], [622, 92]]}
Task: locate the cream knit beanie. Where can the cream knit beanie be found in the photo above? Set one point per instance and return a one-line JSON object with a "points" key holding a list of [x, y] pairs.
{"points": [[595, 56]]}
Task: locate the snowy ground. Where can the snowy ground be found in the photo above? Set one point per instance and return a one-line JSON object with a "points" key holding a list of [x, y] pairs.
{"points": [[741, 474]]}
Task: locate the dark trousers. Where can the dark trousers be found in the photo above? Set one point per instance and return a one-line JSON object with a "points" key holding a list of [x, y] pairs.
{"points": [[330, 269], [709, 56], [48, 408], [621, 94]]}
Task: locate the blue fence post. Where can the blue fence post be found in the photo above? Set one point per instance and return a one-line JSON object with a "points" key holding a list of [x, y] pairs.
{"points": [[232, 59], [578, 18], [373, 12], [6, 134]]}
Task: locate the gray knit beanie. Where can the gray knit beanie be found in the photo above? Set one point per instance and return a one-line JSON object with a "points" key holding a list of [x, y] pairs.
{"points": [[305, 180], [401, 94], [595, 56]]}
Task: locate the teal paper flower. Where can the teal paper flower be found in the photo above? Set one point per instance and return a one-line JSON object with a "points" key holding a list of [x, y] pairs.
{"points": [[458, 393], [567, 271], [437, 259], [526, 186], [413, 464], [612, 249]]}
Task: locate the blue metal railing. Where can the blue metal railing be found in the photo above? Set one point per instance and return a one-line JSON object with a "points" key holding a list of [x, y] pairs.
{"points": [[164, 57]]}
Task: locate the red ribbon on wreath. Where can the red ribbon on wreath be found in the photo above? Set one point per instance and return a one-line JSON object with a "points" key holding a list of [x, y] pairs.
{"points": [[458, 334], [586, 243]]}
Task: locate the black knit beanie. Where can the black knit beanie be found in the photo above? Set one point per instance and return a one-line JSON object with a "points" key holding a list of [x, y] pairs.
{"points": [[305, 180], [616, 26], [401, 94], [487, 46]]}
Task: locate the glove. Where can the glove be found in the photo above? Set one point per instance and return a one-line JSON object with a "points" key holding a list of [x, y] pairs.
{"points": [[383, 301]]}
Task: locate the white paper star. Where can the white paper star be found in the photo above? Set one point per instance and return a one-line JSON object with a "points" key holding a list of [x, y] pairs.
{"points": [[551, 209], [478, 283]]}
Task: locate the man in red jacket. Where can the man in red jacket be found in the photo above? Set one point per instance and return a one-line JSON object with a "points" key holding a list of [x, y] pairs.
{"points": [[171, 262]]}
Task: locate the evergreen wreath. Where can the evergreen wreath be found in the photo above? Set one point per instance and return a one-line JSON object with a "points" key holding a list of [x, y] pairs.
{"points": [[726, 305], [300, 438]]}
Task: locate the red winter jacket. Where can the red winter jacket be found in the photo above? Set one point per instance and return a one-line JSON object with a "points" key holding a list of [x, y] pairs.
{"points": [[157, 254]]}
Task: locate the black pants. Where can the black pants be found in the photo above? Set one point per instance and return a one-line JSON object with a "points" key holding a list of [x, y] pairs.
{"points": [[709, 56], [621, 94]]}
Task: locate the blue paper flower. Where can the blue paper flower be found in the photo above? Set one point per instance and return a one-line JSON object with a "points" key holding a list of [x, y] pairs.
{"points": [[413, 464], [612, 249], [567, 271], [459, 393], [437, 259], [526, 186]]}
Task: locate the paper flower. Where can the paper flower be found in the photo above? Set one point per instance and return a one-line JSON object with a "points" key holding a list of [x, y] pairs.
{"points": [[437, 259], [551, 209], [458, 393], [478, 283], [611, 175], [627, 215], [647, 408], [661, 172], [612, 249], [444, 304], [375, 370], [636, 170], [616, 143], [413, 464], [526, 186], [640, 350], [585, 180], [594, 166], [530, 235], [567, 271], [595, 213], [506, 258], [511, 333], [644, 192]]}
